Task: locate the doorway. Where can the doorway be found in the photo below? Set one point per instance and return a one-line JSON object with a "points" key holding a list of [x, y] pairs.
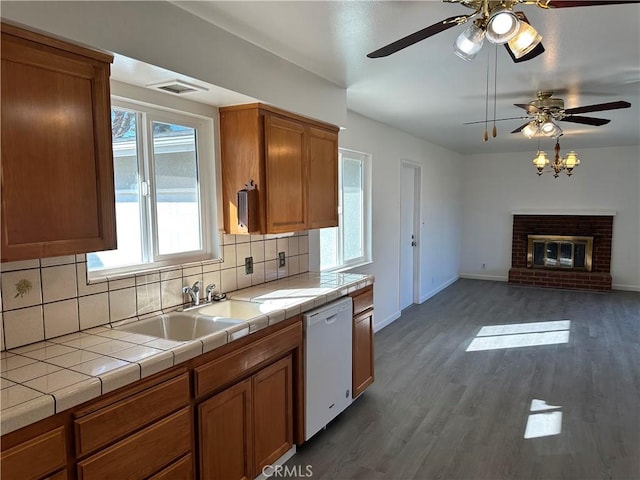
{"points": [[410, 182]]}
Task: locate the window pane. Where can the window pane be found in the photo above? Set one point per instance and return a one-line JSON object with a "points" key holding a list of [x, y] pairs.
{"points": [[176, 188], [352, 208], [328, 248], [126, 177]]}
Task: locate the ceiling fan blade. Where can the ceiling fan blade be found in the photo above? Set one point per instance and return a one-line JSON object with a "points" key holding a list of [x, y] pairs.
{"points": [[524, 106], [418, 36], [538, 50], [598, 108], [496, 120], [581, 3], [596, 122], [519, 129]]}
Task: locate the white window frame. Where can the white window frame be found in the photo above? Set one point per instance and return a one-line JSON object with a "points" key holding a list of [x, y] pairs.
{"points": [[209, 241], [365, 258]]}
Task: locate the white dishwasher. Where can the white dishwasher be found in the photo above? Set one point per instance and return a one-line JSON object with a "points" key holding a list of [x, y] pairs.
{"points": [[328, 332]]}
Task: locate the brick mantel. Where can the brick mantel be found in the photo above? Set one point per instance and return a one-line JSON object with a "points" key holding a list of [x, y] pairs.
{"points": [[599, 226]]}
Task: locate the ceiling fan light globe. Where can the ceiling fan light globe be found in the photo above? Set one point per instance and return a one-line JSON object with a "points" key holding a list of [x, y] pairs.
{"points": [[469, 43], [531, 130], [526, 40], [503, 25], [550, 129], [571, 160]]}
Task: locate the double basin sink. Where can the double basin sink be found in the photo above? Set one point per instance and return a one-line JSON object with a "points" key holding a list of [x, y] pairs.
{"points": [[197, 322]]}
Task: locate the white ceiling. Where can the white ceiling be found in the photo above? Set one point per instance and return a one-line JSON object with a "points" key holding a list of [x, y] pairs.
{"points": [[592, 56]]}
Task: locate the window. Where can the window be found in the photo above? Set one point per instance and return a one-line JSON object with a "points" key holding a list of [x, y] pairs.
{"points": [[162, 210], [348, 244]]}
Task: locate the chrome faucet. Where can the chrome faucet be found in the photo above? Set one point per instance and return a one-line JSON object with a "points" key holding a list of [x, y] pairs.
{"points": [[209, 292], [193, 292]]}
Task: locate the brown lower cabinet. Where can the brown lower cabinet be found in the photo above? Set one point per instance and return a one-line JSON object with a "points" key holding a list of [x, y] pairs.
{"points": [[247, 426], [362, 360]]}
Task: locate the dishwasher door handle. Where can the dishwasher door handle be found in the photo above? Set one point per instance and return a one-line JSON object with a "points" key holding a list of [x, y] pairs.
{"points": [[330, 319]]}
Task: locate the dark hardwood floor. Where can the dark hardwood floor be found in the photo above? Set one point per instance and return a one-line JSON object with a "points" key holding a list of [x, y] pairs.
{"points": [[437, 411]]}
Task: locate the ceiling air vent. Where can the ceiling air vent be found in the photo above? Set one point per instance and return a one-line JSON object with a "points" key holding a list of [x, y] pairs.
{"points": [[178, 87]]}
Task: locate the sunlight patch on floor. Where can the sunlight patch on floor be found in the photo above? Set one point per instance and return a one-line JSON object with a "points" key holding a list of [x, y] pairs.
{"points": [[547, 420], [493, 337]]}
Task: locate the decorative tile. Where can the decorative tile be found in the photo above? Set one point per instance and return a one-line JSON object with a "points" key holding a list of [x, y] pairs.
{"points": [[228, 239], [59, 283], [270, 270], [257, 251], [21, 289], [258, 323], [294, 268], [243, 238], [93, 310], [85, 341], [55, 381], [293, 246], [171, 274], [135, 353], [163, 344], [4, 383], [23, 326], [171, 293], [257, 277], [137, 338], [282, 245], [61, 318], [276, 316], [303, 244], [303, 263], [211, 278], [243, 250], [122, 304], [147, 278], [237, 331]]}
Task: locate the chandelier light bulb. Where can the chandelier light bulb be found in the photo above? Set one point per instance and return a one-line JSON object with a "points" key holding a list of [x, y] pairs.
{"points": [[540, 161], [503, 25]]}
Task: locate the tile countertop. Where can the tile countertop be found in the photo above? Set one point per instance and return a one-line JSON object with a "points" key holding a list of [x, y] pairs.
{"points": [[45, 378]]}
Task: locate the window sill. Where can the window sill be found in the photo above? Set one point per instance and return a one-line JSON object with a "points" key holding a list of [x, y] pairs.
{"points": [[345, 268]]}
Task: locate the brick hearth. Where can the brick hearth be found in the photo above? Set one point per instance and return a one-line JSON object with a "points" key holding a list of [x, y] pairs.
{"points": [[600, 227]]}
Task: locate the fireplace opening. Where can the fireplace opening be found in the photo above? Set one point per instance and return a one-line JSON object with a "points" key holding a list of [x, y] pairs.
{"points": [[559, 252]]}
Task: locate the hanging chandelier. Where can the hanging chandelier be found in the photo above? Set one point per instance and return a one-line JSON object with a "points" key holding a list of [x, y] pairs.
{"points": [[564, 164]]}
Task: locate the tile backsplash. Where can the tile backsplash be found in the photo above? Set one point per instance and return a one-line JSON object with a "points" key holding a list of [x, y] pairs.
{"points": [[49, 297]]}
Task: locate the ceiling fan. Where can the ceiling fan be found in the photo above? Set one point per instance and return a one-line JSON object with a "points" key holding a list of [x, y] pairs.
{"points": [[546, 110], [496, 21]]}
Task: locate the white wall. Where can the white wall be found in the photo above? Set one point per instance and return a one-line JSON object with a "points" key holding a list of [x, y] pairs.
{"points": [[495, 185], [440, 215], [162, 34]]}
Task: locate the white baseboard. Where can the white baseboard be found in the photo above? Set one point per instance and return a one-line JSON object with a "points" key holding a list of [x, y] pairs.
{"points": [[377, 326], [438, 289], [493, 278], [630, 288]]}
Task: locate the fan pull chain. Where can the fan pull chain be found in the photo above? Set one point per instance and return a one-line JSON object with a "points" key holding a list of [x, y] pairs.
{"points": [[495, 91], [486, 101]]}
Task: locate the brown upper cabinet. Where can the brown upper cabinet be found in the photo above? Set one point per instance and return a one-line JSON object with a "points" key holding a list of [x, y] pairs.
{"points": [[292, 160], [57, 164]]}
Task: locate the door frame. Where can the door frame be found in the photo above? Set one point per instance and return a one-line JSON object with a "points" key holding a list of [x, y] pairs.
{"points": [[417, 223]]}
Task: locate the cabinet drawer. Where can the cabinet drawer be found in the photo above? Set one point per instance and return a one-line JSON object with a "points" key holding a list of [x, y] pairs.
{"points": [[179, 470], [143, 453], [20, 461], [61, 475], [362, 300], [115, 421], [217, 373]]}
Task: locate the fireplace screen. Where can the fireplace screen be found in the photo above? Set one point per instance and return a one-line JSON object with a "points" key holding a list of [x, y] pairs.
{"points": [[559, 252]]}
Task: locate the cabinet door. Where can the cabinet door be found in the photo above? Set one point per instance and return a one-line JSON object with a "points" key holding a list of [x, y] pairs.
{"points": [[225, 434], [322, 180], [362, 352], [49, 448], [286, 174], [273, 413], [57, 166]]}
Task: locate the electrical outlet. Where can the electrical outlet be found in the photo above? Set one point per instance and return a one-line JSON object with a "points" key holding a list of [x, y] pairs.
{"points": [[248, 265], [282, 259]]}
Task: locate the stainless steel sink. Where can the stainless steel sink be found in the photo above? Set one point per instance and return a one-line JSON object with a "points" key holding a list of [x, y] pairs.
{"points": [[181, 326]]}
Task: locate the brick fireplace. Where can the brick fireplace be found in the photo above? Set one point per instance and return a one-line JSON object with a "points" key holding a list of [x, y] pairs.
{"points": [[597, 227]]}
